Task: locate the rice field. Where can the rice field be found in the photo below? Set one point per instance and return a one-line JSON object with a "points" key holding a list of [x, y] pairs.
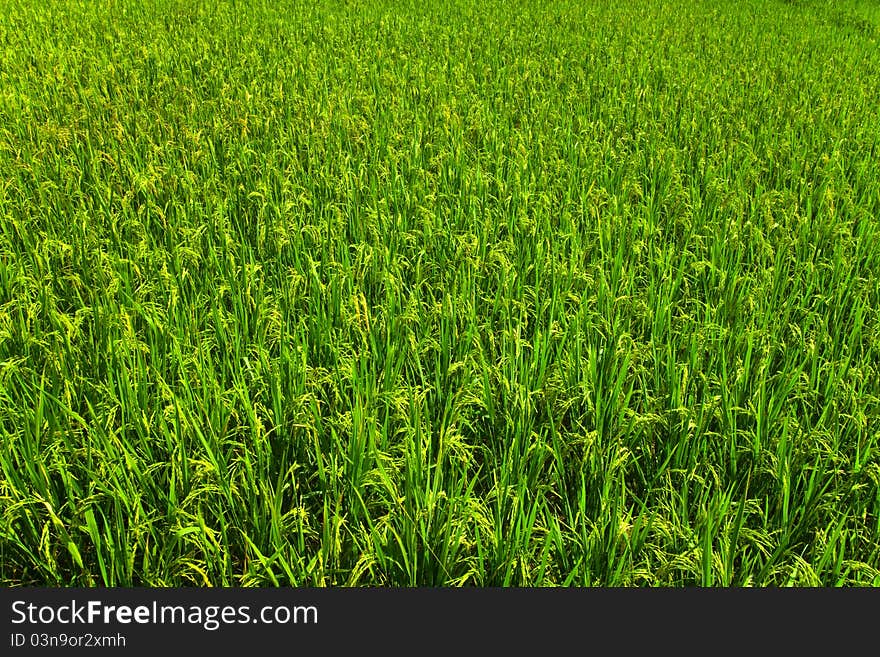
{"points": [[461, 293]]}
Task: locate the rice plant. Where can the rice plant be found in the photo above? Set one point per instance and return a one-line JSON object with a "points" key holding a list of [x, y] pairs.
{"points": [[460, 293]]}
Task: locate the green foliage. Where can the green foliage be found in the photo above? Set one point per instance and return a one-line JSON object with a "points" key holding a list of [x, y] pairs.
{"points": [[439, 293]]}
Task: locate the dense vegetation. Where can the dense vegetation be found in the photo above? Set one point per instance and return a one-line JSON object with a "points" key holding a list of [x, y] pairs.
{"points": [[440, 293]]}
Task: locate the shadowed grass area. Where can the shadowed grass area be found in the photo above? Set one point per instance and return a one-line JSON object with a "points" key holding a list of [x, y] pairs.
{"points": [[439, 293]]}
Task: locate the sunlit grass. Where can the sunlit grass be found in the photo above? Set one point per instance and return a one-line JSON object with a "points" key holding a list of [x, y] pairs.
{"points": [[439, 293]]}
